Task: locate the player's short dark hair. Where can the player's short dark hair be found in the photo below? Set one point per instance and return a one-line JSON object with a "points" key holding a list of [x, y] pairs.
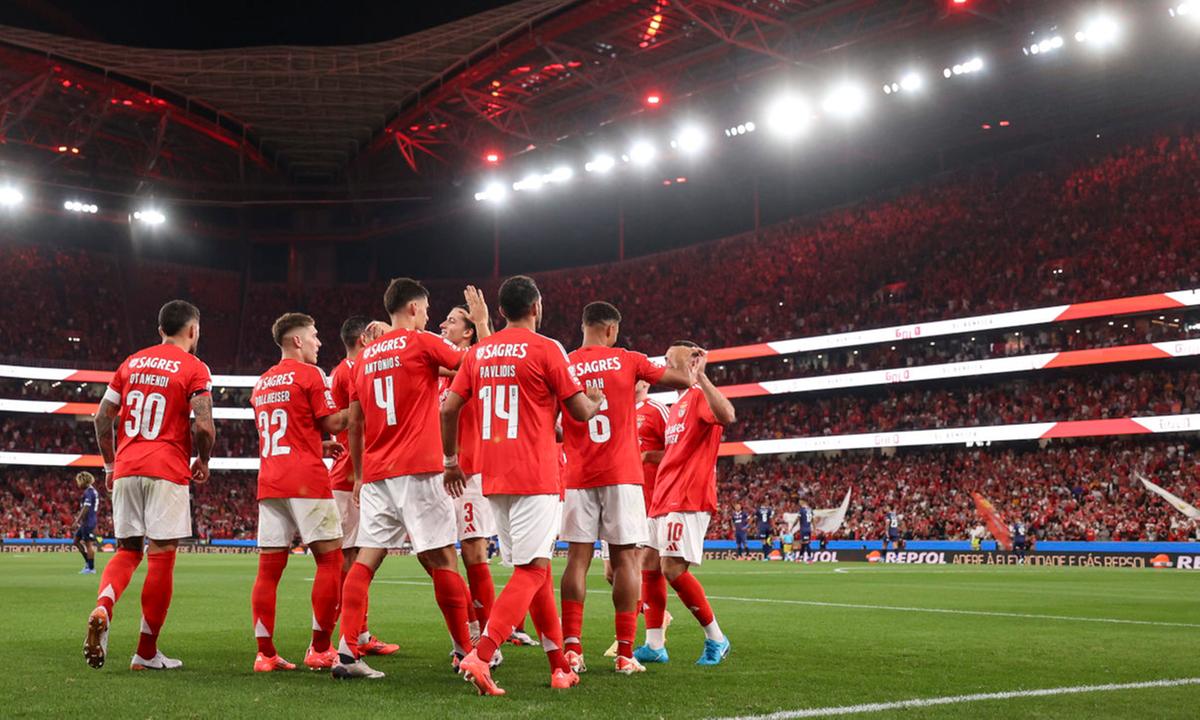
{"points": [[685, 343], [288, 322], [468, 322], [601, 313], [353, 329], [517, 296], [400, 292], [175, 316]]}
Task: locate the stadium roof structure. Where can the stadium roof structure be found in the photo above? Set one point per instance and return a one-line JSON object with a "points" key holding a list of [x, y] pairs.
{"points": [[417, 113]]}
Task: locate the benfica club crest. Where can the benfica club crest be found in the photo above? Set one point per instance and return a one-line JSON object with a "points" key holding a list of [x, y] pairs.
{"points": [[683, 406]]}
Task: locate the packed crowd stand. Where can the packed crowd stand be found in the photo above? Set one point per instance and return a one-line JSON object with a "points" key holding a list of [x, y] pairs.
{"points": [[1068, 490]]}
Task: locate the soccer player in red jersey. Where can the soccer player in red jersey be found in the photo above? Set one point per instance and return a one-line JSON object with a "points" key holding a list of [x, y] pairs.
{"points": [[465, 325], [603, 479], [394, 444], [519, 378], [652, 426], [293, 409], [152, 396], [685, 496], [357, 332]]}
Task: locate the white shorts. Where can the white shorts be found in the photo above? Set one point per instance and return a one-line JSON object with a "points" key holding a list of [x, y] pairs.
{"points": [[413, 504], [613, 513], [681, 535], [348, 513], [279, 519], [151, 507], [527, 526], [651, 531], [474, 512]]}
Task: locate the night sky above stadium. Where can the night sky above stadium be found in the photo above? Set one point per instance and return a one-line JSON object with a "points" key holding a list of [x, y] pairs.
{"points": [[227, 24]]}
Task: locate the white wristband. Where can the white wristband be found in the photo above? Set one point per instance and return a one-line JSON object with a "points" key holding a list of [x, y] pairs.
{"points": [[450, 461], [108, 467]]}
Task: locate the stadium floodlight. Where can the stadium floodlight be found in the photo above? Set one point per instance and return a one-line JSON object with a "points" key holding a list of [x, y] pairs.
{"points": [[690, 140], [81, 207], [494, 191], [912, 81], [1100, 31], [529, 182], [560, 174], [973, 65], [1189, 8], [10, 196], [641, 153], [845, 101], [150, 216], [1045, 45], [600, 164], [789, 116]]}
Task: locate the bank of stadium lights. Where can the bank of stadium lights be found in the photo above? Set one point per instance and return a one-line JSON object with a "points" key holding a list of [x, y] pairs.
{"points": [[1045, 46], [531, 182], [536, 181], [690, 140], [150, 216], [641, 153], [1100, 32], [10, 197], [911, 82], [81, 207], [600, 164], [845, 101], [740, 129], [969, 67], [789, 116], [1189, 9], [494, 191]]}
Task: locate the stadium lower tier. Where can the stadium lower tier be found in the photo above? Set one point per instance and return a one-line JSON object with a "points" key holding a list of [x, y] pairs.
{"points": [[1065, 490]]}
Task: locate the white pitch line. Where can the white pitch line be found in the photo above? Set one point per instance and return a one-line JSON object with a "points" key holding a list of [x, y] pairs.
{"points": [[949, 611], [901, 608], [958, 699]]}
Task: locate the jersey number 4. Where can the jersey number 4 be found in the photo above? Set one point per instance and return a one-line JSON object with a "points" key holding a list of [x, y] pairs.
{"points": [[502, 401]]}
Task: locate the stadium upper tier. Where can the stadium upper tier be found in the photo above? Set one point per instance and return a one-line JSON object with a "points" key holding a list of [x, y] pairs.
{"points": [[998, 238]]}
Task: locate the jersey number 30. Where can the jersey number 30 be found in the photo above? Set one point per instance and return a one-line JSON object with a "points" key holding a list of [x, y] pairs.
{"points": [[145, 414]]}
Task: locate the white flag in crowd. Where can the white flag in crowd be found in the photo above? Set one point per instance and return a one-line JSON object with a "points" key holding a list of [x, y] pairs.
{"points": [[829, 520], [1177, 502]]}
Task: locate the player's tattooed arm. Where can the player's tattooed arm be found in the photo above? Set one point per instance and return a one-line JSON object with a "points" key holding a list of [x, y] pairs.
{"points": [[583, 407], [103, 421], [204, 435]]}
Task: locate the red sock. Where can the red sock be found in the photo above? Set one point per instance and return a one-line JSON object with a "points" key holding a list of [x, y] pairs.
{"points": [[115, 578], [354, 604], [691, 592], [471, 616], [262, 599], [544, 613], [156, 599], [451, 594], [654, 596], [626, 626], [326, 595], [483, 591], [572, 625], [510, 608]]}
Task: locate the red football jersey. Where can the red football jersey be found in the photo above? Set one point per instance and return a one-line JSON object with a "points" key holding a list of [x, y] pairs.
{"points": [[604, 450], [154, 389], [396, 383], [468, 430], [340, 477], [288, 400], [518, 378], [687, 475], [651, 426]]}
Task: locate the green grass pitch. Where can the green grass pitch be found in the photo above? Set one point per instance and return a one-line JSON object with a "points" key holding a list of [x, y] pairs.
{"points": [[803, 637]]}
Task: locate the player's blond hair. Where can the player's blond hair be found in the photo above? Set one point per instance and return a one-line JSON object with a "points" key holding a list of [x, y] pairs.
{"points": [[84, 479]]}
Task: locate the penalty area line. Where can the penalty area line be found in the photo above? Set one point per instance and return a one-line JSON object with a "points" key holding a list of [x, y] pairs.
{"points": [[959, 699]]}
